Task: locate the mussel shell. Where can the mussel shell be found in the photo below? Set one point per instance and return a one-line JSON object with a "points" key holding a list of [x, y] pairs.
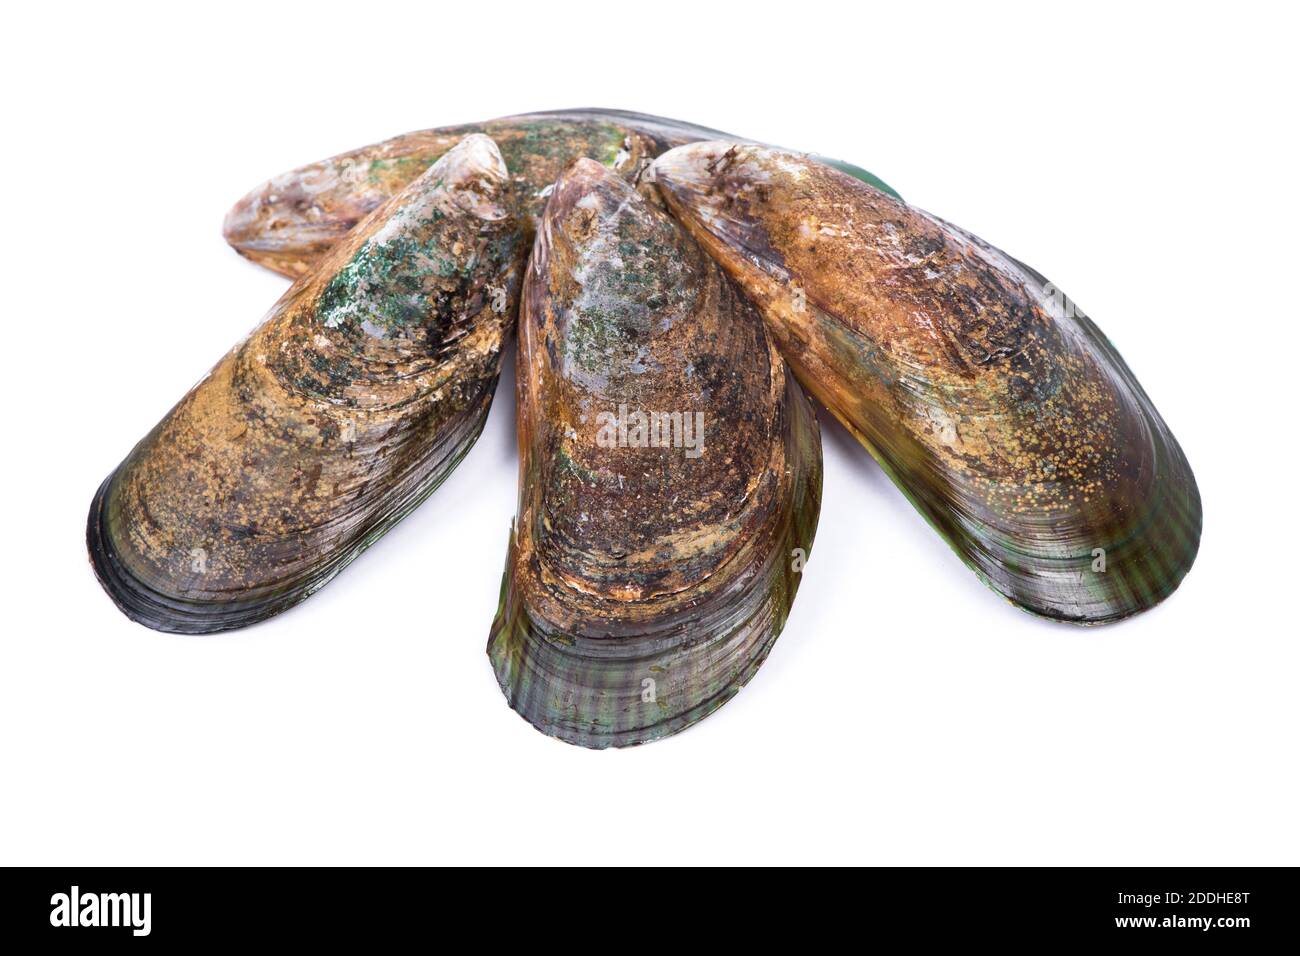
{"points": [[288, 223], [644, 585], [359, 393], [997, 407], [291, 221]]}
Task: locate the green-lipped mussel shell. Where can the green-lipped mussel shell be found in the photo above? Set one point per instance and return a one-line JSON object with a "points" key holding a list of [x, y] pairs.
{"points": [[1002, 412], [650, 571], [291, 221], [360, 392], [288, 223]]}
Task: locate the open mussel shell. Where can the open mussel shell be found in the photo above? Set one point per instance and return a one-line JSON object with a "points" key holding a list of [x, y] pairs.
{"points": [[997, 407], [670, 478], [289, 222], [359, 393]]}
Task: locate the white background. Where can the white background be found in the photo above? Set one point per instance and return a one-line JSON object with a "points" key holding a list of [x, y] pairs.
{"points": [[1144, 161]]}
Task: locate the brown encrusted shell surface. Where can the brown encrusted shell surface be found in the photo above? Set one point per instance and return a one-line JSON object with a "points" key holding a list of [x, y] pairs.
{"points": [[358, 394], [289, 222], [997, 407], [645, 585]]}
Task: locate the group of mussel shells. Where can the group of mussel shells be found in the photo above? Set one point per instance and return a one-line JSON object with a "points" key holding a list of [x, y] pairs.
{"points": [[657, 273]]}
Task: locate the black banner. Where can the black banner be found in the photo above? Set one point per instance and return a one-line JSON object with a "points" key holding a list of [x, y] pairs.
{"points": [[1228, 907]]}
